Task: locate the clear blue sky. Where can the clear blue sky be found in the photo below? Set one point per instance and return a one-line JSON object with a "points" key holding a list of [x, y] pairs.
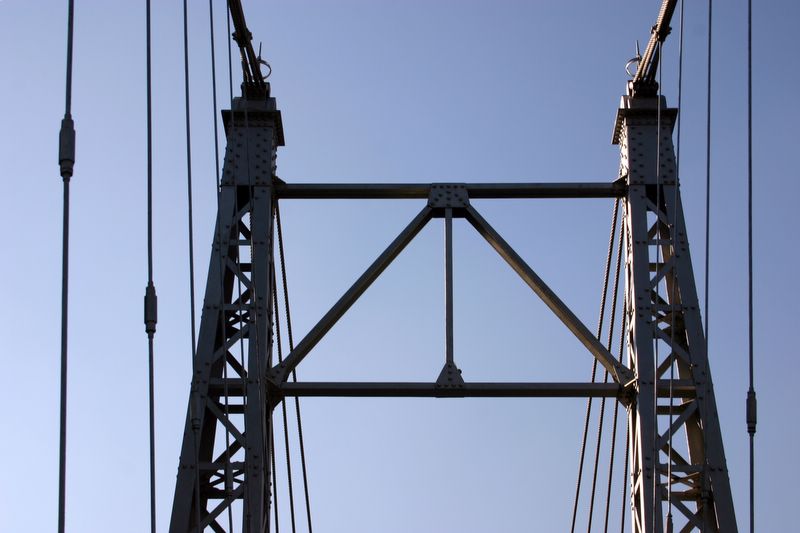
{"points": [[379, 91]]}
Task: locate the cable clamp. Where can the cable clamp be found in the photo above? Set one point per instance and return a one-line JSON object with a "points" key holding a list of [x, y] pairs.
{"points": [[66, 147], [751, 412], [150, 309]]}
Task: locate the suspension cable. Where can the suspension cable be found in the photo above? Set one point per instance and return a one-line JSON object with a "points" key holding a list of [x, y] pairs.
{"points": [[283, 404], [704, 486], [228, 484], [623, 325], [66, 162], [594, 364], [674, 231], [658, 225], [196, 401], [150, 298], [300, 439], [609, 342], [708, 176], [625, 475], [274, 478], [751, 416]]}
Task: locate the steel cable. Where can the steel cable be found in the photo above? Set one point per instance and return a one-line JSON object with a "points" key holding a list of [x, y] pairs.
{"points": [[674, 231], [704, 487], [300, 439], [195, 401], [66, 161], [222, 326], [751, 416], [657, 224], [623, 326], [594, 364], [612, 319], [283, 404], [150, 299]]}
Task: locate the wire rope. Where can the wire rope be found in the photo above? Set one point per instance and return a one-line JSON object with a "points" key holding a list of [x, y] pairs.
{"points": [[300, 438], [751, 416], [66, 161], [283, 406], [609, 342], [150, 299], [274, 479], [195, 403], [623, 324], [708, 179], [657, 223], [707, 280], [625, 476], [674, 231], [594, 364], [222, 325]]}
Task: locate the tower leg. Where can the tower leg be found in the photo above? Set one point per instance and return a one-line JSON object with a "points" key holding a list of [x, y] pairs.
{"points": [[225, 456], [677, 461]]}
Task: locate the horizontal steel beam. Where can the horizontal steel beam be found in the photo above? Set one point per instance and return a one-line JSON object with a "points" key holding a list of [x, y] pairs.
{"points": [[399, 191], [387, 389], [468, 390]]}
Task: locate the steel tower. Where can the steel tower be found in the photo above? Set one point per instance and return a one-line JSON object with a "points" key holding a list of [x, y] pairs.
{"points": [[677, 462]]}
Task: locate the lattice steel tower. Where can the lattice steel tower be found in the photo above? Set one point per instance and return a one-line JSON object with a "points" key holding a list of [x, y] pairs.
{"points": [[677, 463]]}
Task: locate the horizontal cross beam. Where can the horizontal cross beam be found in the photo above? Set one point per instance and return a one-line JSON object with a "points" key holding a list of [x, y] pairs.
{"points": [[400, 191], [467, 390]]}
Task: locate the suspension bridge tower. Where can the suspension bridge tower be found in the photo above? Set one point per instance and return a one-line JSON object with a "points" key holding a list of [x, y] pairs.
{"points": [[677, 471]]}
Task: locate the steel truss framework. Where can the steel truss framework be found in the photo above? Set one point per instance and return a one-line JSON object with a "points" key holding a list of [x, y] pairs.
{"points": [[665, 385]]}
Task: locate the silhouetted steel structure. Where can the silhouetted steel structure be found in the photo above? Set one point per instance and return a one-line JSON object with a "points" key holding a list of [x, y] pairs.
{"points": [[677, 462]]}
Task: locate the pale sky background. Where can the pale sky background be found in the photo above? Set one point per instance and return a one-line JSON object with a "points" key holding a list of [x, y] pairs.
{"points": [[380, 91]]}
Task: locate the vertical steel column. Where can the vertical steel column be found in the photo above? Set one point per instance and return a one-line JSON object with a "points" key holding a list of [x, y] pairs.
{"points": [[668, 436], [225, 452]]}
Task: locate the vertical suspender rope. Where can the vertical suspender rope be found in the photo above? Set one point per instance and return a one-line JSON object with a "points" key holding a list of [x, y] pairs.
{"points": [[189, 173], [150, 301], [228, 474], [228, 483], [673, 232], [66, 161], [751, 392], [708, 175], [195, 402], [659, 258], [708, 215]]}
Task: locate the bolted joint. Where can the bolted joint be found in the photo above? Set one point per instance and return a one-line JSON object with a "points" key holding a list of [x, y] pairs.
{"points": [[751, 412], [150, 309], [66, 147]]}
